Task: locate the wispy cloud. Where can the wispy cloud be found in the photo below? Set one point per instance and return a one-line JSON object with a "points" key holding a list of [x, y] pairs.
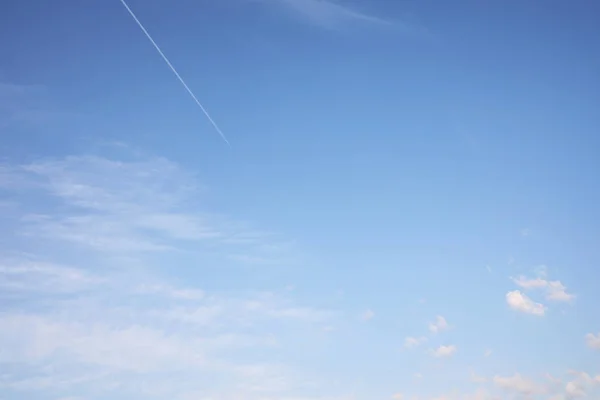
{"points": [[132, 207], [91, 310], [518, 384], [100, 340], [411, 342], [329, 12], [439, 325], [444, 351]]}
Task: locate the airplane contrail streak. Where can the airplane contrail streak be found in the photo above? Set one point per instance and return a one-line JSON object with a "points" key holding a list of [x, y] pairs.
{"points": [[214, 124]]}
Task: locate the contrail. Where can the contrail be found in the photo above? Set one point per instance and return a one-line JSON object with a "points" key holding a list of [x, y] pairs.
{"points": [[214, 124]]}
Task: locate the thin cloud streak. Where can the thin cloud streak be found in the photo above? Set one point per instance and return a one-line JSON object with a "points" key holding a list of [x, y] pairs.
{"points": [[213, 123], [334, 15], [329, 13]]}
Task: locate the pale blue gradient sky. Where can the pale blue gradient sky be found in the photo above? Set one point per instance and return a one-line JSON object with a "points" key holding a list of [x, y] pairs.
{"points": [[390, 163]]}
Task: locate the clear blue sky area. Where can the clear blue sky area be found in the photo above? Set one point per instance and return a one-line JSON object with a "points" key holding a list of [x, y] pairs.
{"points": [[409, 207]]}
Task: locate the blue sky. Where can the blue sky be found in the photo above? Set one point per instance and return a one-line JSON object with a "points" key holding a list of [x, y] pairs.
{"points": [[408, 208]]}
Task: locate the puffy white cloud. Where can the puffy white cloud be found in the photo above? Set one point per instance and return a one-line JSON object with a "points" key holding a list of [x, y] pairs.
{"points": [[593, 341], [440, 324], [558, 292], [445, 351], [555, 290], [520, 302], [580, 385], [574, 390]]}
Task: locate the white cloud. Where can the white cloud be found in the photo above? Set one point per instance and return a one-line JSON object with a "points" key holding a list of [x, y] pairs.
{"points": [[27, 274], [329, 14], [555, 290], [34, 338], [141, 206], [397, 396], [444, 351], [100, 307], [593, 341], [97, 307], [580, 385], [520, 302], [488, 353], [439, 325], [558, 292], [102, 337], [411, 342], [531, 283], [518, 384], [574, 390]]}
